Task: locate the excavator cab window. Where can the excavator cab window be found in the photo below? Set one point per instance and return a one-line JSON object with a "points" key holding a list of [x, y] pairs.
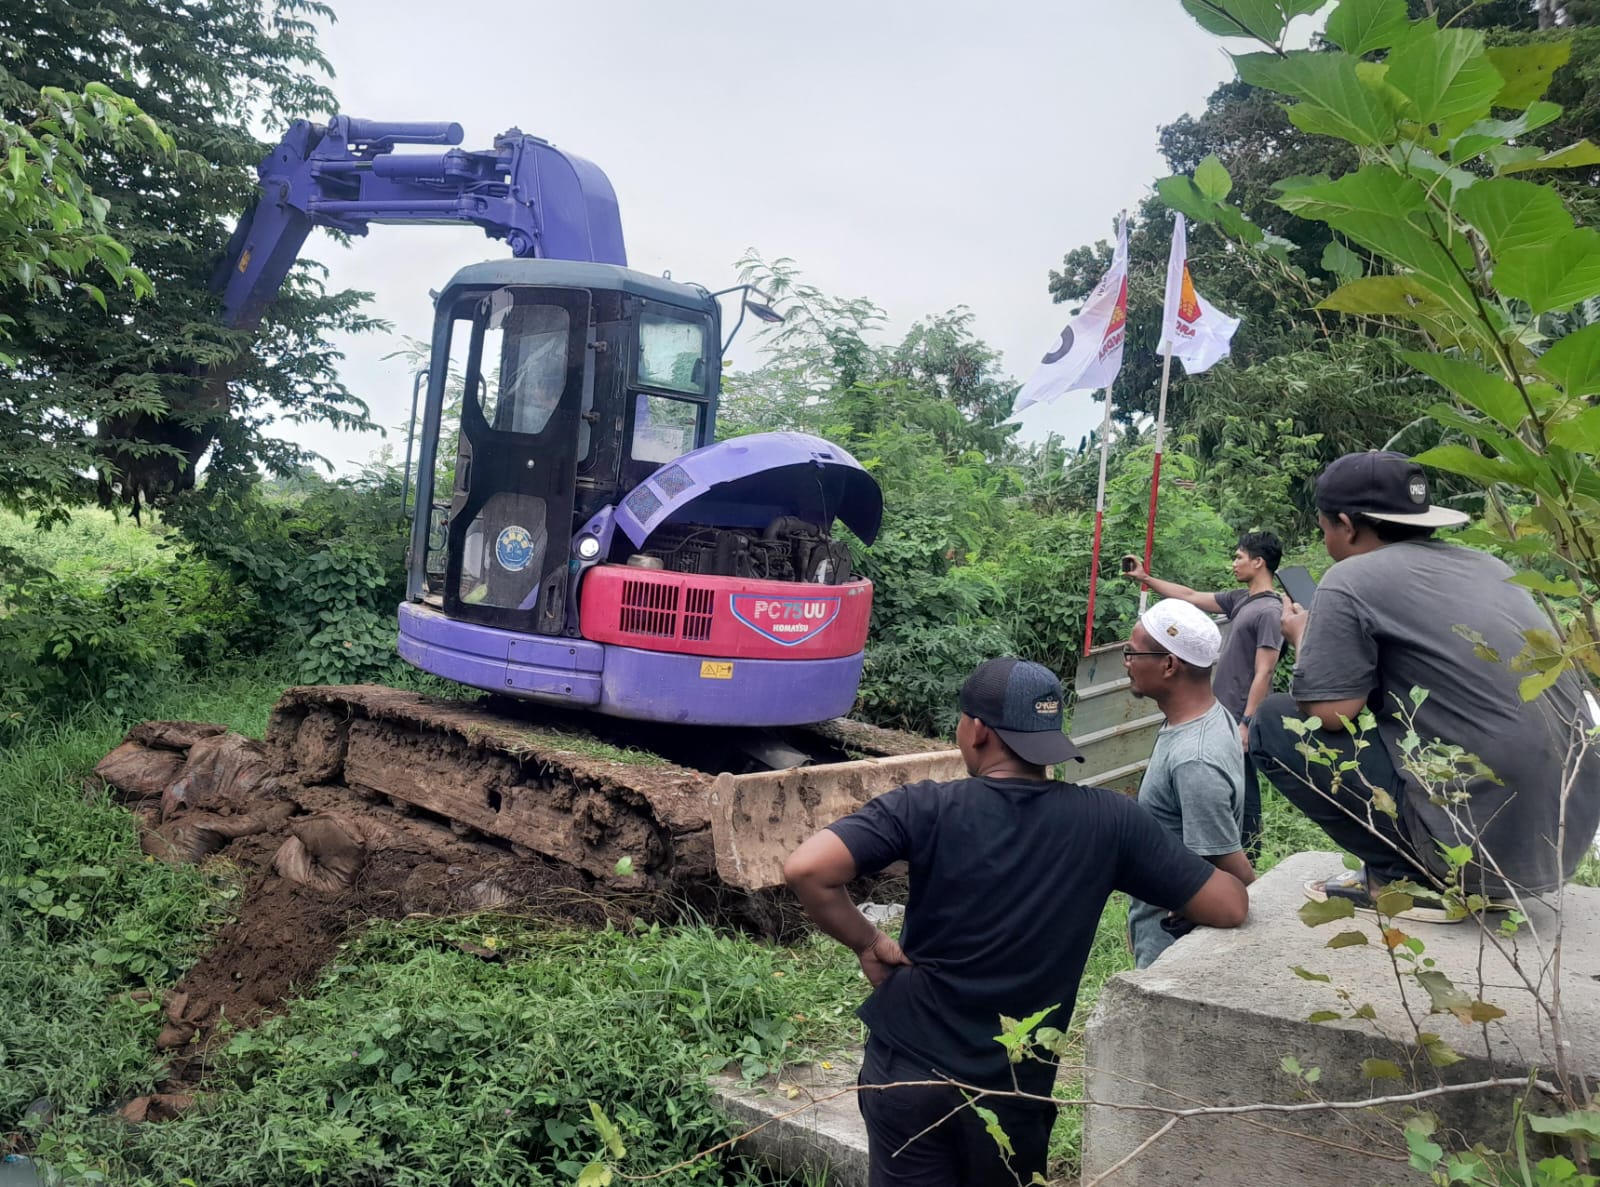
{"points": [[663, 428], [668, 410], [529, 346], [672, 349]]}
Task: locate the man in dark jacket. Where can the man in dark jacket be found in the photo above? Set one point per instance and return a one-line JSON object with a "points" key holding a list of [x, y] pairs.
{"points": [[1009, 873]]}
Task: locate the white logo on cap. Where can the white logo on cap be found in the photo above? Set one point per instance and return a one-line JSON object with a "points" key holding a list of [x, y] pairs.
{"points": [[1419, 489], [1048, 705]]}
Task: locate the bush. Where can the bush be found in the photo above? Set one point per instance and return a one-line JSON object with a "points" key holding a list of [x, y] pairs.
{"points": [[319, 568]]}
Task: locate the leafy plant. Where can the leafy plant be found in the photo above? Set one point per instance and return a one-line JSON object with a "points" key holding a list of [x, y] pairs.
{"points": [[1464, 252]]}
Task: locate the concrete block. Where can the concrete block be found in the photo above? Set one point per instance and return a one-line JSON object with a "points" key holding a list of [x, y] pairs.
{"points": [[829, 1138], [1211, 1021]]}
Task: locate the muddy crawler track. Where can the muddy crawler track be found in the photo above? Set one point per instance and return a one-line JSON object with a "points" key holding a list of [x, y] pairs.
{"points": [[499, 777], [369, 803]]}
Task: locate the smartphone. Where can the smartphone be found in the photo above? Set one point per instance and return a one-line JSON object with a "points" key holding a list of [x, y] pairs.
{"points": [[1297, 583]]}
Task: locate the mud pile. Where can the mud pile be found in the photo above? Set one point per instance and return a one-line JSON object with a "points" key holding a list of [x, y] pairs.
{"points": [[317, 862]]}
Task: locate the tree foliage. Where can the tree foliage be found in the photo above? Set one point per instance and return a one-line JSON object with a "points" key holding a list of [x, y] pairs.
{"points": [[1472, 254], [111, 397], [1325, 372]]}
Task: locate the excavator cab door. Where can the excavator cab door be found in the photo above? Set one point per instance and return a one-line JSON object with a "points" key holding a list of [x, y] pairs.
{"points": [[527, 386]]}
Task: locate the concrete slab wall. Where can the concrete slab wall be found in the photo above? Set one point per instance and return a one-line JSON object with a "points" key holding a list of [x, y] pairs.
{"points": [[827, 1139], [1211, 1022]]}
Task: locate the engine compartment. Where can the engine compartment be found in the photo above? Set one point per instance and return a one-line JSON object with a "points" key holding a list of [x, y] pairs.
{"points": [[788, 549]]}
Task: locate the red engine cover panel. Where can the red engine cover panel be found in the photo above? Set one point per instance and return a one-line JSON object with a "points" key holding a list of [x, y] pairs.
{"points": [[728, 617]]}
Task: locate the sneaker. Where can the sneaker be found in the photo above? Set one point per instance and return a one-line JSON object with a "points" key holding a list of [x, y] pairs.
{"points": [[1426, 906]]}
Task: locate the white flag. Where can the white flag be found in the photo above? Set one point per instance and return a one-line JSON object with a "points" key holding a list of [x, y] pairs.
{"points": [[1089, 353], [1194, 331]]}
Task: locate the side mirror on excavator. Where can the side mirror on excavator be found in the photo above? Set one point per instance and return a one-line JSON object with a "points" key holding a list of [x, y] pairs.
{"points": [[762, 309]]}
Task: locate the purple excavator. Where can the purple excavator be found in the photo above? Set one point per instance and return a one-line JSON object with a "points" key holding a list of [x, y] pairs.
{"points": [[588, 549]]}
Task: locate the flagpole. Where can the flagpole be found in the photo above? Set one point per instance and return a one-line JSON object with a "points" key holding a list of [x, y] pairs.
{"points": [[1155, 472], [1099, 521]]}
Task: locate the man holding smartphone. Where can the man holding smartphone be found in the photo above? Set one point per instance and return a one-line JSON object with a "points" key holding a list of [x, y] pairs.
{"points": [[1244, 669]]}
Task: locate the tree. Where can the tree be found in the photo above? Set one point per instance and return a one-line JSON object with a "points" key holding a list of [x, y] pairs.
{"points": [[54, 242], [114, 394]]}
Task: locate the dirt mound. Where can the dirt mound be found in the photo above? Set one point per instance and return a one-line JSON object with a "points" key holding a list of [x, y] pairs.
{"points": [[368, 803], [318, 863]]}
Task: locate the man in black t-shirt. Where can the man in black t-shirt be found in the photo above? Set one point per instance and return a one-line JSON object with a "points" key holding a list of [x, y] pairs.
{"points": [[1243, 677], [1009, 874]]}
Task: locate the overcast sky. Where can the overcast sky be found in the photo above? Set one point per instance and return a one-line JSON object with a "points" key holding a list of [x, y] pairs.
{"points": [[924, 155]]}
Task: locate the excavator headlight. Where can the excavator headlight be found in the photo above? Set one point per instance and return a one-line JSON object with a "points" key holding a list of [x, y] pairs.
{"points": [[588, 548]]}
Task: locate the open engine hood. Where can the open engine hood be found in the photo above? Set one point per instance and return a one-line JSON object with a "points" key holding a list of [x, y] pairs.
{"points": [[750, 481]]}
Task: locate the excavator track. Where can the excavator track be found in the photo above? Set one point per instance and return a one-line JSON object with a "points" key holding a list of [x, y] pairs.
{"points": [[632, 807]]}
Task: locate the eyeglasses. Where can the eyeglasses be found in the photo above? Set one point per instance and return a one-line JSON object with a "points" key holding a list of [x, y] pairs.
{"points": [[1128, 653]]}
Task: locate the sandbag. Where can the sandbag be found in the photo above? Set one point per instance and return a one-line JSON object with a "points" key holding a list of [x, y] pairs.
{"points": [[327, 851], [224, 767], [173, 735], [185, 841], [139, 772]]}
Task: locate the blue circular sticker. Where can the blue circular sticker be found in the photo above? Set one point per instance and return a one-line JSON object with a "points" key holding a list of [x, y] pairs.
{"points": [[514, 549]]}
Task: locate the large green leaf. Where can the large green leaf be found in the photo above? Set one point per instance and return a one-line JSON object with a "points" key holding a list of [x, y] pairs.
{"points": [[1407, 297], [1361, 26], [1212, 180], [1490, 394], [1574, 362], [1583, 154], [1480, 137], [1334, 101], [1458, 459], [1407, 157], [1583, 1123], [1371, 190], [1342, 262], [1514, 214], [1389, 214], [1486, 431], [1265, 19], [1445, 75], [1581, 434], [1180, 194], [1235, 222], [1382, 296], [1553, 275], [1314, 914], [1527, 70]]}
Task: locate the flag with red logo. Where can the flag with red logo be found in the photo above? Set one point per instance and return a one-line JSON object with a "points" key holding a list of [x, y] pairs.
{"points": [[1088, 354], [1194, 331]]}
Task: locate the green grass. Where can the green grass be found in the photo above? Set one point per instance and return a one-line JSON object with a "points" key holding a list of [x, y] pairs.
{"points": [[416, 1063], [94, 543], [84, 918]]}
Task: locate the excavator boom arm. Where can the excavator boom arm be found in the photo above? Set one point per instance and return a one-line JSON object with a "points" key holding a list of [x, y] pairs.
{"points": [[545, 203]]}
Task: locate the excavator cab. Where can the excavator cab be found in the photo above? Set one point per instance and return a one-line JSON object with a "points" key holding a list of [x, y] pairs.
{"points": [[576, 381], [577, 538]]}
